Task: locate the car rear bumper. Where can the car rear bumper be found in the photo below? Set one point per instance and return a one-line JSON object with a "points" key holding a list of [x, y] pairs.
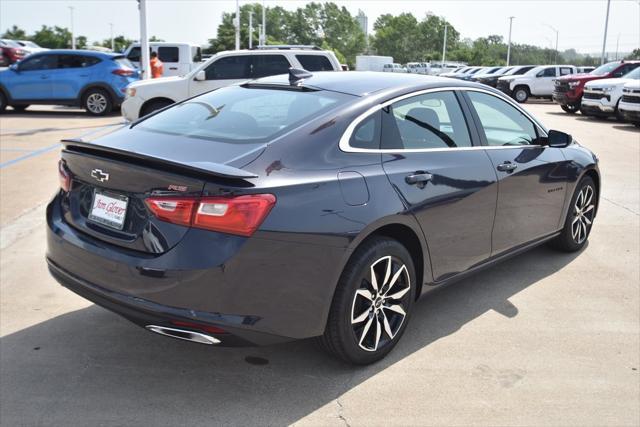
{"points": [[261, 291]]}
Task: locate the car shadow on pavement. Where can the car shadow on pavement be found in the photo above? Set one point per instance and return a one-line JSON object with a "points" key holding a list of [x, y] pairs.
{"points": [[627, 127], [92, 367], [53, 113]]}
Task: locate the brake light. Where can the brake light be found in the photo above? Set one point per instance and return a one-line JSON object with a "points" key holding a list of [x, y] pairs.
{"points": [[241, 215], [125, 72], [64, 175]]}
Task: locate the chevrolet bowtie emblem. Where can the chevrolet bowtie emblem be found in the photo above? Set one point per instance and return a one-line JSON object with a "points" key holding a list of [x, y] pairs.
{"points": [[99, 175]]}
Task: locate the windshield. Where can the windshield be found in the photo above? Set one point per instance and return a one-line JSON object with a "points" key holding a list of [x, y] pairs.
{"points": [[605, 69], [240, 115], [635, 74]]}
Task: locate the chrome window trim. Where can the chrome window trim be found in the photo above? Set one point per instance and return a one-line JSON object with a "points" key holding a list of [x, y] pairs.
{"points": [[346, 136]]}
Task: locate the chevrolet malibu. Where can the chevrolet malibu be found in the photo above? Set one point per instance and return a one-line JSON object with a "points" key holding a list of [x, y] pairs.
{"points": [[303, 205]]}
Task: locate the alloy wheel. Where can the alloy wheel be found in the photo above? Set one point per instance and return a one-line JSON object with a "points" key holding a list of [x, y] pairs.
{"points": [[96, 103], [380, 303], [521, 95], [583, 211]]}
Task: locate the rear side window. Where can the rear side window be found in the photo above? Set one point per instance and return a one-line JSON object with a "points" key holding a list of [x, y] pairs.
{"points": [[76, 61], [240, 115], [433, 120], [503, 124], [315, 62], [367, 133], [269, 65], [229, 67], [565, 71], [169, 53]]}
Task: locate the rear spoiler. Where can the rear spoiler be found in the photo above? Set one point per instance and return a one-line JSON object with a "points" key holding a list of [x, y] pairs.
{"points": [[203, 167]]}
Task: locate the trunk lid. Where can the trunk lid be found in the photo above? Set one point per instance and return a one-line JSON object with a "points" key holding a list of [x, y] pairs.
{"points": [[113, 176]]}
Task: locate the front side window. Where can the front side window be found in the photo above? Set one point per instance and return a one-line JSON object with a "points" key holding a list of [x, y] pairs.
{"points": [[38, 63], [169, 53], [229, 67], [432, 120], [269, 65], [134, 54], [239, 115], [503, 124], [548, 72]]}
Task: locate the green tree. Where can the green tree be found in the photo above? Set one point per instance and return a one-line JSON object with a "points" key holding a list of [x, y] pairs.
{"points": [[120, 43], [15, 33], [635, 54], [52, 37], [397, 36]]}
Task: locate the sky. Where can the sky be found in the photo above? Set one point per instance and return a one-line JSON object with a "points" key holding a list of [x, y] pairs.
{"points": [[580, 22]]}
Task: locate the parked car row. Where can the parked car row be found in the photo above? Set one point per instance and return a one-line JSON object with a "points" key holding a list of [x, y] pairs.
{"points": [[13, 51]]}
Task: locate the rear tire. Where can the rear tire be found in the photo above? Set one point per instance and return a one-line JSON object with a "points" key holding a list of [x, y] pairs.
{"points": [[577, 225], [97, 102], [521, 94], [372, 302], [154, 106]]}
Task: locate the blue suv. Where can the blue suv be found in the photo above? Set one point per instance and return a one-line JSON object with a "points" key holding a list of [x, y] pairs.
{"points": [[95, 81]]}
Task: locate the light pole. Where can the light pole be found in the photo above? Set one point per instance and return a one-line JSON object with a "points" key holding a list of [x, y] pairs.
{"points": [[113, 49], [251, 29], [557, 33], [617, 45], [509, 43], [263, 34], [73, 37], [444, 45], [145, 67], [237, 23], [606, 27]]}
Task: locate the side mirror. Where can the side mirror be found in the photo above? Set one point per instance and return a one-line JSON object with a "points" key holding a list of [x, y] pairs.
{"points": [[200, 76], [14, 67], [558, 139]]}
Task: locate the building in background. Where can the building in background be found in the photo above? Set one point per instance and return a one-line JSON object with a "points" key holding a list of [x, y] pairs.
{"points": [[363, 21]]}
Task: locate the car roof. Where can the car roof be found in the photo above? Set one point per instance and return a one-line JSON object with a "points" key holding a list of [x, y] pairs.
{"points": [[362, 83], [79, 52]]}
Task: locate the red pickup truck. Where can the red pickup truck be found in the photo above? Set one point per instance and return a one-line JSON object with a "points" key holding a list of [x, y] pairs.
{"points": [[568, 89]]}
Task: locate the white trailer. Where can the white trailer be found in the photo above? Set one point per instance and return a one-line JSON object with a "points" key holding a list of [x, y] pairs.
{"points": [[371, 62]]}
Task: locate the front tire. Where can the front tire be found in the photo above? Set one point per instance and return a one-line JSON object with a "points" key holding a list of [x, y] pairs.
{"points": [[154, 106], [97, 102], [577, 225], [571, 108], [372, 302], [521, 94]]}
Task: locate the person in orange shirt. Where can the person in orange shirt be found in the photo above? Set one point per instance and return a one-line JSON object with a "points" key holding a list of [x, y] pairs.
{"points": [[157, 67]]}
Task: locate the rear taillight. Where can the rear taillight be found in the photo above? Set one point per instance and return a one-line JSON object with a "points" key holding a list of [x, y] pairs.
{"points": [[125, 72], [241, 215], [64, 175]]}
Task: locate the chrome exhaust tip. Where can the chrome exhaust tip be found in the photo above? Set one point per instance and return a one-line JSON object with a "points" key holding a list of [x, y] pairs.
{"points": [[183, 334]]}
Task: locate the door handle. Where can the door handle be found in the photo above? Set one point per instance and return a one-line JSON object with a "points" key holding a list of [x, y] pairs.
{"points": [[418, 178], [44, 77], [507, 167], [173, 68]]}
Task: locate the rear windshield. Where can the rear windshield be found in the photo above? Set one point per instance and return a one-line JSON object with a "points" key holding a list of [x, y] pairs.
{"points": [[243, 115], [123, 62]]}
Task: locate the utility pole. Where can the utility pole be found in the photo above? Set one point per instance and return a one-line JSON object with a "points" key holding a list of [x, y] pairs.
{"points": [[606, 27], [237, 23], [263, 34], [509, 44], [145, 68], [617, 45], [113, 49], [557, 33], [444, 45], [250, 29], [73, 37]]}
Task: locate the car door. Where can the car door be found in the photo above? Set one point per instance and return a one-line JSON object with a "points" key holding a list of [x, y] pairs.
{"points": [[443, 180], [543, 84], [224, 71], [72, 73], [531, 176], [171, 58], [32, 78]]}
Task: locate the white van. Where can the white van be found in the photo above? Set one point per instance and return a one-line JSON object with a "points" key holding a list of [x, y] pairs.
{"points": [[178, 58]]}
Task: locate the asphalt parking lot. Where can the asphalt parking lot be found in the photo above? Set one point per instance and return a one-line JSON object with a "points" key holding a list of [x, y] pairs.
{"points": [[542, 339]]}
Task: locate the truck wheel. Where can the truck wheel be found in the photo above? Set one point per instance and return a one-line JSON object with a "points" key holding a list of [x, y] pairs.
{"points": [[3, 102], [521, 94], [154, 106], [571, 108], [619, 115]]}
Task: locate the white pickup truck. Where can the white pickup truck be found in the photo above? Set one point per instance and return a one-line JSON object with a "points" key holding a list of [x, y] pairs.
{"points": [[178, 58], [602, 97], [222, 69], [537, 82]]}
